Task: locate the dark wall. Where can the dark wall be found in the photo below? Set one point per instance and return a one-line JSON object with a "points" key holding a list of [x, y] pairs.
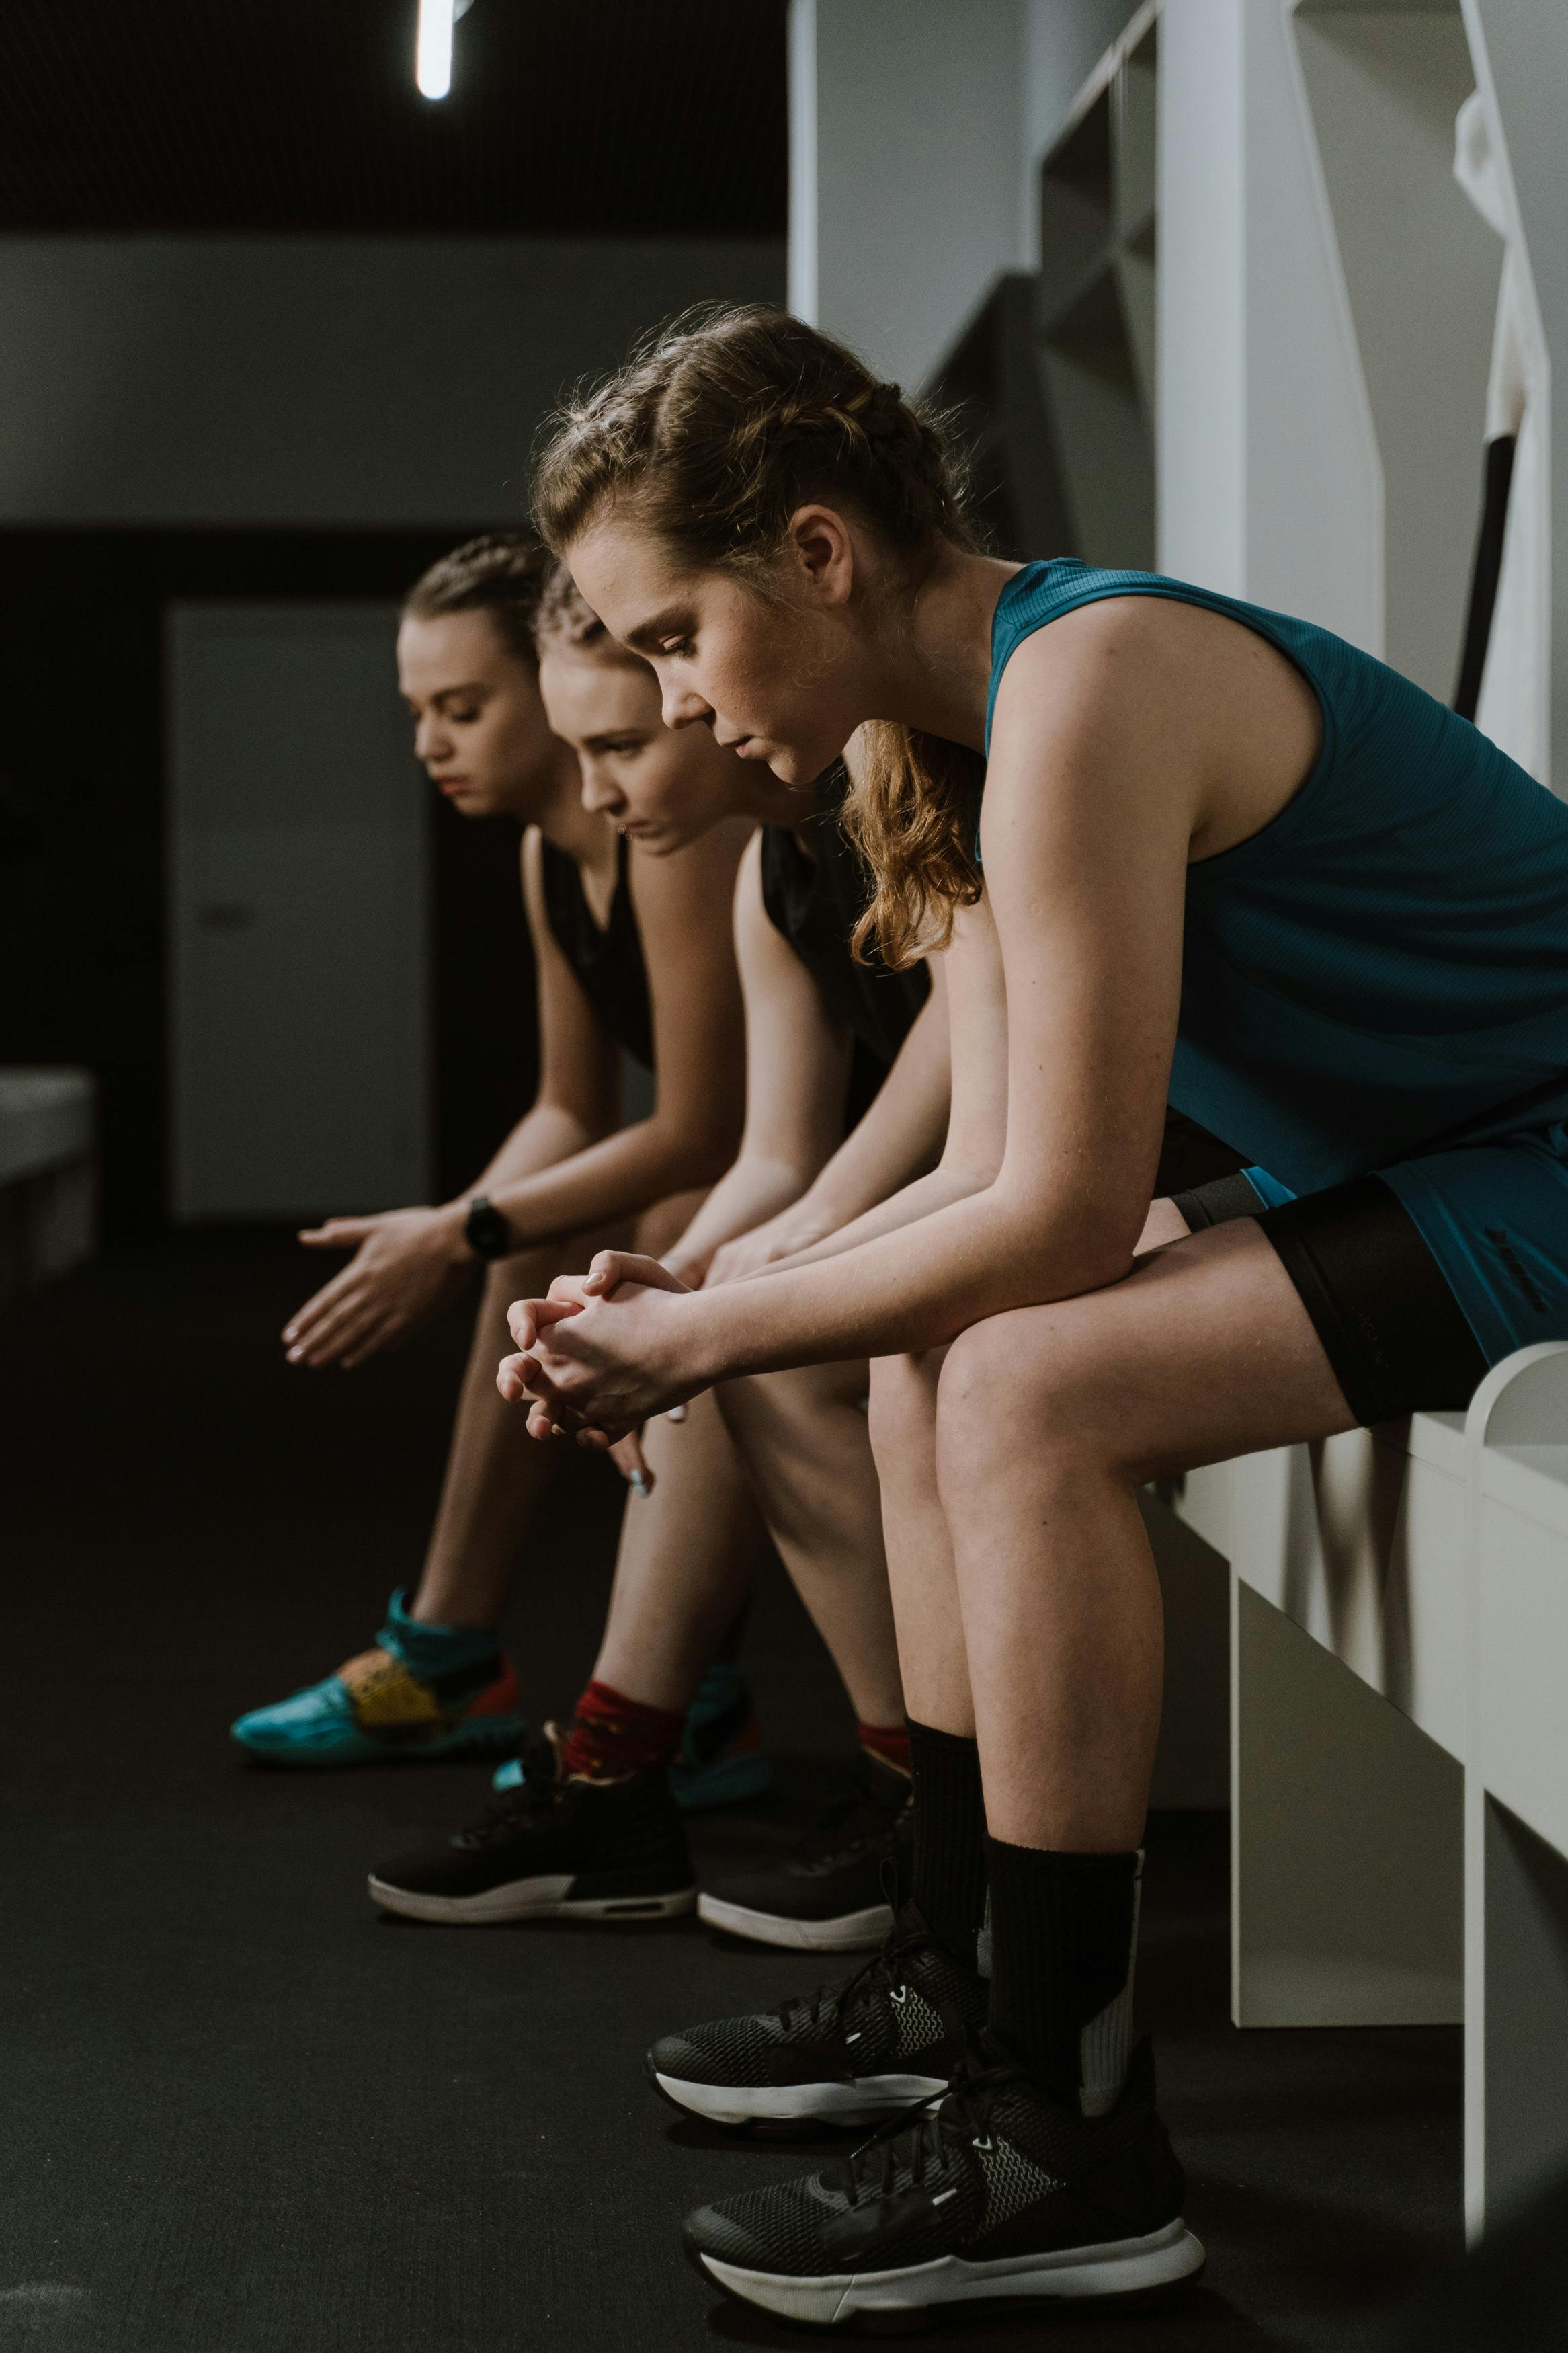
{"points": [[81, 836]]}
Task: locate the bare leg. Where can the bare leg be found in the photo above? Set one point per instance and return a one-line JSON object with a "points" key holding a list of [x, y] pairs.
{"points": [[803, 1440], [687, 1556], [1048, 1420], [920, 1570], [495, 1475]]}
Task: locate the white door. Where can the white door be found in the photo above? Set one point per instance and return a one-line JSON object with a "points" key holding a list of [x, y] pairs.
{"points": [[299, 938]]}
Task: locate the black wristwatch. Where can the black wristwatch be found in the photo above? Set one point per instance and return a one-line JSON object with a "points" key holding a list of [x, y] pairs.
{"points": [[485, 1231]]}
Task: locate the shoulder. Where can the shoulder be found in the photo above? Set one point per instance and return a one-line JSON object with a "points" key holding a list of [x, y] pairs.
{"points": [[530, 862]]}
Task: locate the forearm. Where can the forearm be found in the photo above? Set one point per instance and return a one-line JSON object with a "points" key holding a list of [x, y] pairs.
{"points": [[613, 1179], [755, 1189], [898, 1293], [937, 1189], [542, 1137]]}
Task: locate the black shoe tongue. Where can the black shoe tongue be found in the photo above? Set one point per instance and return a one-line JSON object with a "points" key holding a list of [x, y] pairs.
{"points": [[882, 1781]]}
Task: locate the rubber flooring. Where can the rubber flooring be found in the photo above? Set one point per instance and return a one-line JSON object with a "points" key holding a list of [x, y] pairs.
{"points": [[243, 2114]]}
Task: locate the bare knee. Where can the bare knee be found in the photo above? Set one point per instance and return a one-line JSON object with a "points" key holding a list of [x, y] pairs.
{"points": [[1023, 1389]]}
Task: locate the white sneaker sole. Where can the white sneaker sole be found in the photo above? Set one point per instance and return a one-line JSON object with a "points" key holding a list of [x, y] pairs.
{"points": [[528, 1899], [1119, 2267], [848, 1934], [864, 2102]]}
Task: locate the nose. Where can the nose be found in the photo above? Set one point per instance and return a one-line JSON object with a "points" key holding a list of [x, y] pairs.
{"points": [[601, 796], [429, 736], [682, 708]]}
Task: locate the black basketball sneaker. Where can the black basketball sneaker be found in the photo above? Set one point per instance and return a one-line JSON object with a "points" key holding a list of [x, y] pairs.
{"points": [[849, 2054], [552, 1849], [994, 2193], [827, 1896]]}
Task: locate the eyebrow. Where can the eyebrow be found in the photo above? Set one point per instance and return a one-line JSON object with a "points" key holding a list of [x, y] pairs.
{"points": [[614, 735]]}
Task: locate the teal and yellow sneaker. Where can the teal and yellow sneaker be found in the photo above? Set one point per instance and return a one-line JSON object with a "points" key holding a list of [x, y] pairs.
{"points": [[424, 1691], [720, 1761]]}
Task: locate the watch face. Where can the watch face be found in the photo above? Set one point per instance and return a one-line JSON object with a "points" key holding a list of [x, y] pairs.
{"points": [[487, 1230]]}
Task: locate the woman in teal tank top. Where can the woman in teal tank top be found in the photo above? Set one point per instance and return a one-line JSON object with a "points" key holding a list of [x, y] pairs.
{"points": [[1220, 853]]}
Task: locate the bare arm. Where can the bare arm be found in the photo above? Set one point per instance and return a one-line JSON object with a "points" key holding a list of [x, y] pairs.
{"points": [[1093, 801], [797, 1069], [886, 1158]]}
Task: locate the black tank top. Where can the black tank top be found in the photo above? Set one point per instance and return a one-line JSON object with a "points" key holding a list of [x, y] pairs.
{"points": [[814, 896], [609, 962]]}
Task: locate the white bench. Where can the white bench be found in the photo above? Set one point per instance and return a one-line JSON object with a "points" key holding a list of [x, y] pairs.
{"points": [[1399, 1744], [49, 1173]]}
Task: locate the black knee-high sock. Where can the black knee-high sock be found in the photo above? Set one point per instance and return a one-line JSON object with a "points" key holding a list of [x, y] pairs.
{"points": [[949, 1882], [1063, 1932]]}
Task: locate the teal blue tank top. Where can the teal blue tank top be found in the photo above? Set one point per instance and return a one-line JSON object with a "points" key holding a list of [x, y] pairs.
{"points": [[1384, 968]]}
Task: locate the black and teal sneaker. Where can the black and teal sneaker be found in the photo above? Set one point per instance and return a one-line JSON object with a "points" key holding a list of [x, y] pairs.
{"points": [[553, 1848], [851, 2053], [424, 1691], [994, 2193], [829, 1894], [720, 1761]]}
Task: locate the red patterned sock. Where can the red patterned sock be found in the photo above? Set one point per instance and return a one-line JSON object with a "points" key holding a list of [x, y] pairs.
{"points": [[891, 1742], [611, 1735]]}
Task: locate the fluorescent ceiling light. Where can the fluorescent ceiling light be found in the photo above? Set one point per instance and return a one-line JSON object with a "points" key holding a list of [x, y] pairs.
{"points": [[433, 45]]}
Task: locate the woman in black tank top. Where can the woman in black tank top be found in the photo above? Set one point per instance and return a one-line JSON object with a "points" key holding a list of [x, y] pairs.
{"points": [[631, 953], [607, 958]]}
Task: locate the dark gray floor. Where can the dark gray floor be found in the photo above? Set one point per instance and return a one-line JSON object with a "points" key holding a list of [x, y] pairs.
{"points": [[243, 2116]]}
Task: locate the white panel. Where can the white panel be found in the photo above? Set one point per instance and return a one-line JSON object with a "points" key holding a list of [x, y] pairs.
{"points": [[1347, 1843], [298, 951], [1422, 270], [1199, 292], [802, 165], [1362, 1545], [1521, 1724], [918, 130], [1314, 486], [1521, 50]]}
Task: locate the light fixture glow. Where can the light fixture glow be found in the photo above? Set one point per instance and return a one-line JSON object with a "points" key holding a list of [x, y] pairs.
{"points": [[433, 48]]}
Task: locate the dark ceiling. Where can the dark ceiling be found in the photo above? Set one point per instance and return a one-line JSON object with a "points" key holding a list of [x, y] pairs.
{"points": [[567, 118]]}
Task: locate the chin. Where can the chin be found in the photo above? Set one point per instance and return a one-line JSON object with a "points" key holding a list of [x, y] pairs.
{"points": [[792, 766]]}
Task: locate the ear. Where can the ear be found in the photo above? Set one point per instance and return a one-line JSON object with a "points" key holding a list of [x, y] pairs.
{"points": [[822, 547]]}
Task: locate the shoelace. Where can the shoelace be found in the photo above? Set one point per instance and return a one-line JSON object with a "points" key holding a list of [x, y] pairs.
{"points": [[920, 2145], [538, 1791], [882, 1971]]}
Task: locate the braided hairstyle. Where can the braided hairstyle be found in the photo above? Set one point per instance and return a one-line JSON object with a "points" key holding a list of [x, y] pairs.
{"points": [[565, 617], [502, 574], [715, 432]]}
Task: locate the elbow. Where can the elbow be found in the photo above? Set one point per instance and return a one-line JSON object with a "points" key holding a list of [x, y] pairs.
{"points": [[1061, 1250]]}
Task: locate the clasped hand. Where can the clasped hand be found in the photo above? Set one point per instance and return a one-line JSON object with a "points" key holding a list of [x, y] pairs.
{"points": [[601, 1354]]}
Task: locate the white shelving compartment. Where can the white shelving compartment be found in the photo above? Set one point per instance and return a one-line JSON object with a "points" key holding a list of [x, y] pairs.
{"points": [[49, 1175], [1516, 1811]]}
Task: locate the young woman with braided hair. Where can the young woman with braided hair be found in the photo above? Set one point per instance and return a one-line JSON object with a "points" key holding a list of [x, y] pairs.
{"points": [[1220, 854], [589, 1829], [633, 953]]}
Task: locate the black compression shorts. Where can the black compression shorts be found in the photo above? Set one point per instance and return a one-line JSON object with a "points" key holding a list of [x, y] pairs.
{"points": [[1392, 1330]]}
